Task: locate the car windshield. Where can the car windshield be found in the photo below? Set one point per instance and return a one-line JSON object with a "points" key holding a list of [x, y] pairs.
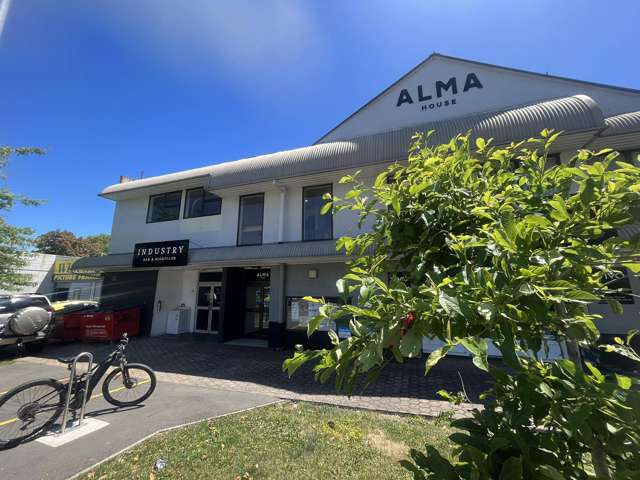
{"points": [[5, 304]]}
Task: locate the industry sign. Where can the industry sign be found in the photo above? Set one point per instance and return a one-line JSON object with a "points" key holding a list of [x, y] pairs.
{"points": [[430, 97], [172, 253]]}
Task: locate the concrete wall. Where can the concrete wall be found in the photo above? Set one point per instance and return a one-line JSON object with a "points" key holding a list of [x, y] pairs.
{"points": [[276, 307], [173, 288], [298, 284]]}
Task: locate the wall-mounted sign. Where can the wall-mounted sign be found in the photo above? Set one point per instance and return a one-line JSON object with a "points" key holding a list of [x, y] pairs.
{"points": [[621, 286], [430, 97], [62, 272], [301, 311], [171, 253], [257, 275]]}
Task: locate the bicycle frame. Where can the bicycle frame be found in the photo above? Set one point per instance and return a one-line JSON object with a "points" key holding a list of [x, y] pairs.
{"points": [[100, 369]]}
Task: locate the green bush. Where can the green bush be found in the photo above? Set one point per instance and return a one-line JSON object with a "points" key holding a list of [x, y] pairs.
{"points": [[473, 242]]}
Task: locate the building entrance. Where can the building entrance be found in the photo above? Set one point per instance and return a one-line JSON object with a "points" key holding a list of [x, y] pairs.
{"points": [[257, 302], [208, 303]]}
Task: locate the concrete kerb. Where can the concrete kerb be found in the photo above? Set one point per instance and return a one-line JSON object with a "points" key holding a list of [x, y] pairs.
{"points": [[168, 429]]}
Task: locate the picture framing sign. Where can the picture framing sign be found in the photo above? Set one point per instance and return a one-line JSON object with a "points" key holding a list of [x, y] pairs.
{"points": [[172, 253]]}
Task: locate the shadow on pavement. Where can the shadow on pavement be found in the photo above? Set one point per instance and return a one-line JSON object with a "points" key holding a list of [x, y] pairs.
{"points": [[197, 356]]}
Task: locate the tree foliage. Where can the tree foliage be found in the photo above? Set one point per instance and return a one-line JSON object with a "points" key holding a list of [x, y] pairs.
{"points": [[14, 241], [473, 242], [63, 242]]}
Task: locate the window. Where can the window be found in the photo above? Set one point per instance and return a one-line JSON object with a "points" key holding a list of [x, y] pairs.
{"points": [[13, 304], [200, 203], [632, 156], [164, 207], [250, 219], [553, 160], [316, 226]]}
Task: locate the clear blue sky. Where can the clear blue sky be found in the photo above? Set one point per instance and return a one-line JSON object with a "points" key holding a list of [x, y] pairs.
{"points": [[116, 87]]}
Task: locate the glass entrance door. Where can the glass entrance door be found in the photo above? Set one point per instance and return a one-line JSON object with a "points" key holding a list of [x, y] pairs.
{"points": [[256, 311], [208, 308]]}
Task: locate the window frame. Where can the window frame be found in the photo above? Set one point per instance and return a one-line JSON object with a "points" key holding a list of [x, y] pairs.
{"points": [[151, 197], [330, 185], [240, 199], [186, 203]]}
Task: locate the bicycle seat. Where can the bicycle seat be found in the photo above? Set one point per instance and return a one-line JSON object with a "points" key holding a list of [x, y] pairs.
{"points": [[67, 360]]}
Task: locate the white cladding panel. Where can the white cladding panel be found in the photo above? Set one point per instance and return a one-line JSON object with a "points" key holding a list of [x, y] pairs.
{"points": [[495, 89], [130, 225]]}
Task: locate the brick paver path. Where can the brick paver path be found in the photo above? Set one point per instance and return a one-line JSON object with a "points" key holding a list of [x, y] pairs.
{"points": [[197, 361]]}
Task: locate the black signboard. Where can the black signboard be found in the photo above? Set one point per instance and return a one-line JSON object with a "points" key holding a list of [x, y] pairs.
{"points": [[257, 275], [619, 282], [171, 253]]}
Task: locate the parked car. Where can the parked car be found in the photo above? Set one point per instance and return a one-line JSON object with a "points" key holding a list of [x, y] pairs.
{"points": [[25, 319]]}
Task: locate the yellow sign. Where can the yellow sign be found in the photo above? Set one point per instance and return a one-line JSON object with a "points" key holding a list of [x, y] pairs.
{"points": [[62, 272]]}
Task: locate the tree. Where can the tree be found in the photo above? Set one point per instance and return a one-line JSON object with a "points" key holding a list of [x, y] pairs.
{"points": [[473, 242], [14, 241], [98, 244], [63, 242]]}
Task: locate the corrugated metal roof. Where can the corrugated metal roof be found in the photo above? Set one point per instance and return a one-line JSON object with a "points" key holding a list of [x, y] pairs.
{"points": [[571, 114], [271, 252], [623, 123]]}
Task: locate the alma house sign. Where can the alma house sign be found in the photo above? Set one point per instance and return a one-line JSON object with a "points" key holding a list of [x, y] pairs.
{"points": [[172, 253], [430, 97]]}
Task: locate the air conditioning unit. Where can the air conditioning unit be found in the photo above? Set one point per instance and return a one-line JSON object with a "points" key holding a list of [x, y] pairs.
{"points": [[178, 321]]}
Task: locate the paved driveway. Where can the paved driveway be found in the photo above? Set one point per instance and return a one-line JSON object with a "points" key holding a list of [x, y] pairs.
{"points": [[171, 404], [197, 360]]}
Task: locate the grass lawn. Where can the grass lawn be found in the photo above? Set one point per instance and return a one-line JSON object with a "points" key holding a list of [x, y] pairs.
{"points": [[288, 440], [6, 362]]}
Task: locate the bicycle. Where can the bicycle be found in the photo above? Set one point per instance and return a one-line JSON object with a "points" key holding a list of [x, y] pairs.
{"points": [[35, 406]]}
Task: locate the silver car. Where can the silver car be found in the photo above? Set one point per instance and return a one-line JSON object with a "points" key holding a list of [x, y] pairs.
{"points": [[25, 319]]}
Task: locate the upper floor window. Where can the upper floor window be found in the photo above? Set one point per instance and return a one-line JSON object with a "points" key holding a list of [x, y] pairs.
{"points": [[250, 219], [164, 207], [200, 203], [315, 225]]}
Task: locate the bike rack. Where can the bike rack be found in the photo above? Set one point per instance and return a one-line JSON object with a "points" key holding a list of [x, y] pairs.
{"points": [[72, 380]]}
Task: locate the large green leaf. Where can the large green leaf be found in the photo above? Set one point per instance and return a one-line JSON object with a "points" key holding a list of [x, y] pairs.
{"points": [[435, 463], [511, 469], [449, 304], [435, 356], [411, 344], [547, 471], [478, 348]]}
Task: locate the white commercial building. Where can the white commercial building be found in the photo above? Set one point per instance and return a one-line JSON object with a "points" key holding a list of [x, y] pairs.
{"points": [[236, 245]]}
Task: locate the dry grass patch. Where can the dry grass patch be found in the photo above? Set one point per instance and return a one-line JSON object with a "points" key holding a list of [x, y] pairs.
{"points": [[288, 440]]}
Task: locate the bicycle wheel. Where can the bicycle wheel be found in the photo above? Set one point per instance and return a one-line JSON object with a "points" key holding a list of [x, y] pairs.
{"points": [[29, 409], [122, 393]]}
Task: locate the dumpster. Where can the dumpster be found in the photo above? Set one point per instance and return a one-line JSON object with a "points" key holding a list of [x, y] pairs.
{"points": [[68, 328], [69, 319], [110, 325]]}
